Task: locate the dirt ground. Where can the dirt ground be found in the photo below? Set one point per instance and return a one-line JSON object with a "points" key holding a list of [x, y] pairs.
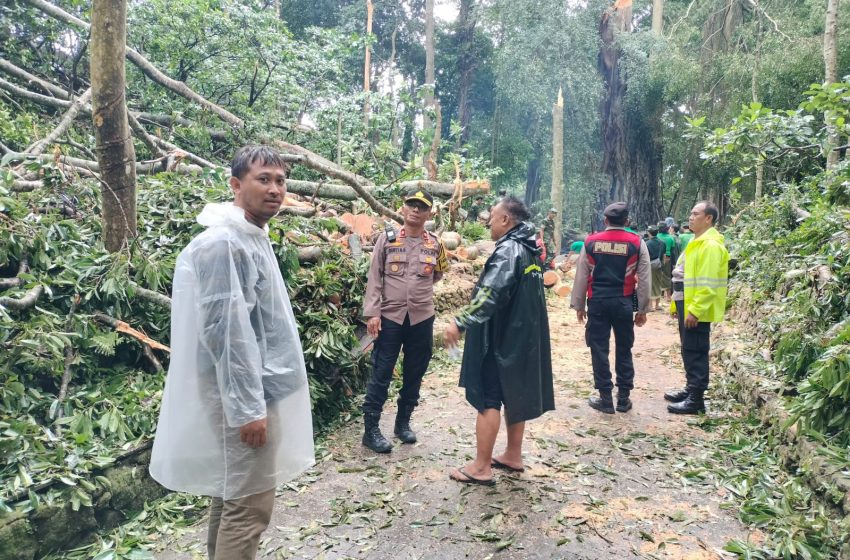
{"points": [[595, 486]]}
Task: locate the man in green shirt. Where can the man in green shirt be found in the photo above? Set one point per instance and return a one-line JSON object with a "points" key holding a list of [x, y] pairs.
{"points": [[669, 248], [685, 237]]}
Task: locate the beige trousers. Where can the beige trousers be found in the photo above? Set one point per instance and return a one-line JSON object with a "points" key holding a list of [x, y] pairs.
{"points": [[236, 525]]}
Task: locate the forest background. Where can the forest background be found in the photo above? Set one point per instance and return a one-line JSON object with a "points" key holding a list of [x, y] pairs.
{"points": [[662, 104]]}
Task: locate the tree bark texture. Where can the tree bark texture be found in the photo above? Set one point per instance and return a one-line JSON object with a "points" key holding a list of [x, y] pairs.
{"points": [[115, 154], [558, 167], [367, 66], [466, 66], [658, 17], [631, 152], [830, 59], [429, 62]]}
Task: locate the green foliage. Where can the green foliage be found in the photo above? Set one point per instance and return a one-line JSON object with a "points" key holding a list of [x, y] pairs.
{"points": [[474, 231]]}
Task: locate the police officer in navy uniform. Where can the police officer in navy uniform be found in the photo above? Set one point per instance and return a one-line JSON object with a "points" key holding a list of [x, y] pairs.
{"points": [[613, 264], [399, 307]]}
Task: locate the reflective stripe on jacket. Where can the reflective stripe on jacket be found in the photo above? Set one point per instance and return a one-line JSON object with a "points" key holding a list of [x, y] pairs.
{"points": [[706, 277]]}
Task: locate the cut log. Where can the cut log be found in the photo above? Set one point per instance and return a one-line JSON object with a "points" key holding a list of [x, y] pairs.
{"points": [[309, 254], [471, 252], [361, 224], [451, 240], [551, 278], [563, 290]]}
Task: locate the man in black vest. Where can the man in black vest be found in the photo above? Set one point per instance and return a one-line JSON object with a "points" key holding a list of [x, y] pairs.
{"points": [[612, 265]]}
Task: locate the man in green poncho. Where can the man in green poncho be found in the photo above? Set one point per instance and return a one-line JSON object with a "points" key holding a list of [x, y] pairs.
{"points": [[507, 356]]}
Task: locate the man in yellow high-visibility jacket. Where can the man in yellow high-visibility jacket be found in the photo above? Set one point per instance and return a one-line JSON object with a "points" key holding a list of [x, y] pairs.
{"points": [[706, 270]]}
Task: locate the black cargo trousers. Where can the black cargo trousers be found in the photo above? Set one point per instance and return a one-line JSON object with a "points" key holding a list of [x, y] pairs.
{"points": [[603, 316], [696, 344], [417, 341]]}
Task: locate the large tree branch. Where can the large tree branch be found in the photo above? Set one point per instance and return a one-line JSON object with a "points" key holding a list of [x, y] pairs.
{"points": [[27, 300], [84, 165], [296, 149], [143, 135], [143, 64], [32, 96], [15, 281], [64, 124], [151, 295], [22, 74]]}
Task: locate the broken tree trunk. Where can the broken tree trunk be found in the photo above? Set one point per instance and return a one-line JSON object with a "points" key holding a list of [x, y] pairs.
{"points": [[115, 153], [558, 167]]}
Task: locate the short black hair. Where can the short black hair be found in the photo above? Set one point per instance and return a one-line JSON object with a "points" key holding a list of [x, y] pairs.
{"points": [[246, 156], [515, 208], [617, 221], [710, 209], [479, 197]]}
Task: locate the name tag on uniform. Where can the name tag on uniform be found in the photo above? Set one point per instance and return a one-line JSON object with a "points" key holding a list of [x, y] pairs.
{"points": [[611, 248]]}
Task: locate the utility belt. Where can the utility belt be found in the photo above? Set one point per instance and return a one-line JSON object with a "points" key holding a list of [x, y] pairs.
{"points": [[678, 286]]}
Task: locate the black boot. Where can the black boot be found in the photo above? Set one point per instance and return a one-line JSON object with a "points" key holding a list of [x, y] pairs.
{"points": [[676, 396], [372, 436], [402, 424], [603, 403], [624, 403], [694, 404]]}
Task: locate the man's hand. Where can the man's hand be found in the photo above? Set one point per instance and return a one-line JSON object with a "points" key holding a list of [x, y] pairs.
{"points": [[640, 319], [254, 433], [581, 315], [373, 327], [691, 321], [451, 335]]}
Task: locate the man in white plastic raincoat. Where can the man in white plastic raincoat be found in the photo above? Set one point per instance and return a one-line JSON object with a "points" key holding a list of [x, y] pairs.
{"points": [[235, 420]]}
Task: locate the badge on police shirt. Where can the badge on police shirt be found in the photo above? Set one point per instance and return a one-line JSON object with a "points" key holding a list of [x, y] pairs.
{"points": [[428, 269], [394, 268]]}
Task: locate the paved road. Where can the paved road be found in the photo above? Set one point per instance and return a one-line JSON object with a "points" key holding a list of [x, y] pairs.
{"points": [[597, 486]]}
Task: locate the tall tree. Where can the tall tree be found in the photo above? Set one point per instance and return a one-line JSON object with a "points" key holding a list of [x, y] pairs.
{"points": [[658, 16], [830, 59], [115, 154], [631, 151], [558, 167], [466, 65], [367, 66], [429, 62]]}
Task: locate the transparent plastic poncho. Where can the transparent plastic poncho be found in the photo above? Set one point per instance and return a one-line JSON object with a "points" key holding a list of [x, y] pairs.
{"points": [[236, 357]]}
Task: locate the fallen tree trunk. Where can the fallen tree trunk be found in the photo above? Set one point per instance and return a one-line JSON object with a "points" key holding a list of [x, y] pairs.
{"points": [[143, 64], [320, 164], [345, 192]]}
